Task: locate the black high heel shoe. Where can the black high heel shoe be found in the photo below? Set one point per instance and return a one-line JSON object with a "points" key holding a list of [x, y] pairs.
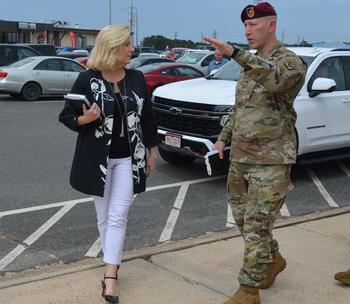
{"points": [[109, 298]]}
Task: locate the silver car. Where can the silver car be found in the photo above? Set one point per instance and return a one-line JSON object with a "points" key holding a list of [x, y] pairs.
{"points": [[200, 59], [32, 77]]}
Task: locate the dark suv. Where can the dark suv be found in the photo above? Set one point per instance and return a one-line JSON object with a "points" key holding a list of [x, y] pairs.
{"points": [[10, 53]]}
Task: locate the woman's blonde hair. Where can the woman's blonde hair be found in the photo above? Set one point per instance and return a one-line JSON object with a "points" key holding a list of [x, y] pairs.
{"points": [[105, 51]]}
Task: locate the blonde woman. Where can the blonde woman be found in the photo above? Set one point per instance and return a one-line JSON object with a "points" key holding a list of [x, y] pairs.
{"points": [[116, 145]]}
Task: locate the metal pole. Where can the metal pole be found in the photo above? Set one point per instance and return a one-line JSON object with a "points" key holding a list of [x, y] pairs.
{"points": [[110, 12], [137, 28]]}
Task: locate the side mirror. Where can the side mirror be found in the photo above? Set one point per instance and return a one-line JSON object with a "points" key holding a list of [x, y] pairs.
{"points": [[205, 63], [322, 85]]}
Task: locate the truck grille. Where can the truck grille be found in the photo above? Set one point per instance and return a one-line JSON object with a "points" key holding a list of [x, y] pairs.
{"points": [[186, 117]]}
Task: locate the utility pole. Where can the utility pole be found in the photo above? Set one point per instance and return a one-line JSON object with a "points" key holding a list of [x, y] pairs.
{"points": [[110, 12], [215, 34], [137, 27], [175, 37], [131, 19]]}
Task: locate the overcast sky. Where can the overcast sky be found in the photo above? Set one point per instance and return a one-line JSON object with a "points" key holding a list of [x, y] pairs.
{"points": [[313, 20]]}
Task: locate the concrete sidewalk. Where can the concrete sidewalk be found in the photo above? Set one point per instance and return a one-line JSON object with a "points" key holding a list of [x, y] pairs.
{"points": [[204, 274]]}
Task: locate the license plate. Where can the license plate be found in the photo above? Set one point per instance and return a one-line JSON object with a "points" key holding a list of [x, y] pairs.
{"points": [[173, 140]]}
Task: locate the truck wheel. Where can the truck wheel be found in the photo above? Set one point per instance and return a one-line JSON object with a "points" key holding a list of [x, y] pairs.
{"points": [[31, 91], [174, 158]]}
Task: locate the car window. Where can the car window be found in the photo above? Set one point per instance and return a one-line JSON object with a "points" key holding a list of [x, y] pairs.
{"points": [[308, 59], [330, 68], [207, 60], [169, 72], [192, 58], [187, 71], [346, 63], [149, 67], [7, 55], [49, 65], [230, 71], [25, 52], [135, 63], [22, 62], [71, 66]]}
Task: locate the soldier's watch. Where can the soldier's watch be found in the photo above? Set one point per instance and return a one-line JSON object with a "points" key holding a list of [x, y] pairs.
{"points": [[235, 52]]}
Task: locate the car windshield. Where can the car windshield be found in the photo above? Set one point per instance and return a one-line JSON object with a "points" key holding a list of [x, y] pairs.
{"points": [[22, 62], [149, 67], [229, 71], [308, 59], [192, 58], [135, 63]]}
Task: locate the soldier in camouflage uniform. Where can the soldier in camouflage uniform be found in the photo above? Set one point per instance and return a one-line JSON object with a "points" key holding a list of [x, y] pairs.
{"points": [[260, 129]]}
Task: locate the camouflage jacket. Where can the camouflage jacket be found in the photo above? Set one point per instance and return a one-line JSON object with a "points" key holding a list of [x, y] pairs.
{"points": [[260, 127]]}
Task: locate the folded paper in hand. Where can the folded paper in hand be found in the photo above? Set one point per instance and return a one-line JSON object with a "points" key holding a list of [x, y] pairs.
{"points": [[214, 164], [76, 100]]}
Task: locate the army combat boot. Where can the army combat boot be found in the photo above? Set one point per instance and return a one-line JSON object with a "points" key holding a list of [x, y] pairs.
{"points": [[245, 295], [278, 265], [343, 277]]}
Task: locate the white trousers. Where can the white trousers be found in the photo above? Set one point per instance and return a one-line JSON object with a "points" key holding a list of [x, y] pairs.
{"points": [[112, 209]]}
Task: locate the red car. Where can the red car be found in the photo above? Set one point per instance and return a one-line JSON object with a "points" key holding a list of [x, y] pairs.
{"points": [[82, 60], [176, 53], [158, 74]]}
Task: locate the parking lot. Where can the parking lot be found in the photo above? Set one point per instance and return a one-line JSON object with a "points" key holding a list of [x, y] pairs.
{"points": [[43, 220]]}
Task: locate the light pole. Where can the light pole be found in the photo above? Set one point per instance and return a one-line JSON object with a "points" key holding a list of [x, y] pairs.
{"points": [[110, 12]]}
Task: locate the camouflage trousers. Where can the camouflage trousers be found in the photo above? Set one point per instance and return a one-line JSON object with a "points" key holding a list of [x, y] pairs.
{"points": [[256, 193]]}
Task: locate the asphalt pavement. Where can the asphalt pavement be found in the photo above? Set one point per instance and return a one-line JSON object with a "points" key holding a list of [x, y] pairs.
{"points": [[315, 247]]}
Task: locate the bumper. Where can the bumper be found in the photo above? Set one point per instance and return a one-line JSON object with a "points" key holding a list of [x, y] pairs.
{"points": [[7, 87], [190, 145]]}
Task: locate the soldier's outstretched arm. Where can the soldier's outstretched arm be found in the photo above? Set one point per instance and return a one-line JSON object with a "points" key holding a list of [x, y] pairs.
{"points": [[274, 76]]}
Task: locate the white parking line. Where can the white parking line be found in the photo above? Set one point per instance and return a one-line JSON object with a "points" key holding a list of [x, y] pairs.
{"points": [[49, 101], [11, 256], [230, 222], [195, 181], [42, 207], [89, 199], [35, 236], [344, 168], [174, 214], [322, 189], [94, 250]]}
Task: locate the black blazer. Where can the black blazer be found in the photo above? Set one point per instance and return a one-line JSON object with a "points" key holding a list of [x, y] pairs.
{"points": [[88, 172]]}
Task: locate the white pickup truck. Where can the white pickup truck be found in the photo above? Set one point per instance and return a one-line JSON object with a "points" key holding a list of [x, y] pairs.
{"points": [[191, 113]]}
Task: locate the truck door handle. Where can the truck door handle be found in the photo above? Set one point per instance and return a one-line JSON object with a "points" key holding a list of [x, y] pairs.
{"points": [[346, 100]]}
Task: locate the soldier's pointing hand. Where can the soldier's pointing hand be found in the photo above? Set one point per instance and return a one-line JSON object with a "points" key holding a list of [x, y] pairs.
{"points": [[219, 45]]}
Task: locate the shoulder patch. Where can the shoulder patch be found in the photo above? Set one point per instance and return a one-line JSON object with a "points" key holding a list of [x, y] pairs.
{"points": [[289, 65]]}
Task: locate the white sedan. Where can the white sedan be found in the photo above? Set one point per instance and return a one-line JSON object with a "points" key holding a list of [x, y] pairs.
{"points": [[40, 75]]}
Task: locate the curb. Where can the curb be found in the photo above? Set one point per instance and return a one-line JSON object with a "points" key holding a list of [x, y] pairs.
{"points": [[58, 270]]}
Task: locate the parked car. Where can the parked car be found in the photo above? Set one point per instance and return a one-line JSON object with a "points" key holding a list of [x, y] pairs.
{"points": [[148, 49], [74, 54], [82, 60], [158, 74], [176, 53], [144, 60], [40, 75], [10, 53], [199, 59], [191, 113]]}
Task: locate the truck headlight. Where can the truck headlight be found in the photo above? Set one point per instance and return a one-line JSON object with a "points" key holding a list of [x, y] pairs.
{"points": [[223, 120]]}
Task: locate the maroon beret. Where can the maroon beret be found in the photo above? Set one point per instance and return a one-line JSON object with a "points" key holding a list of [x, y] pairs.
{"points": [[262, 9]]}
